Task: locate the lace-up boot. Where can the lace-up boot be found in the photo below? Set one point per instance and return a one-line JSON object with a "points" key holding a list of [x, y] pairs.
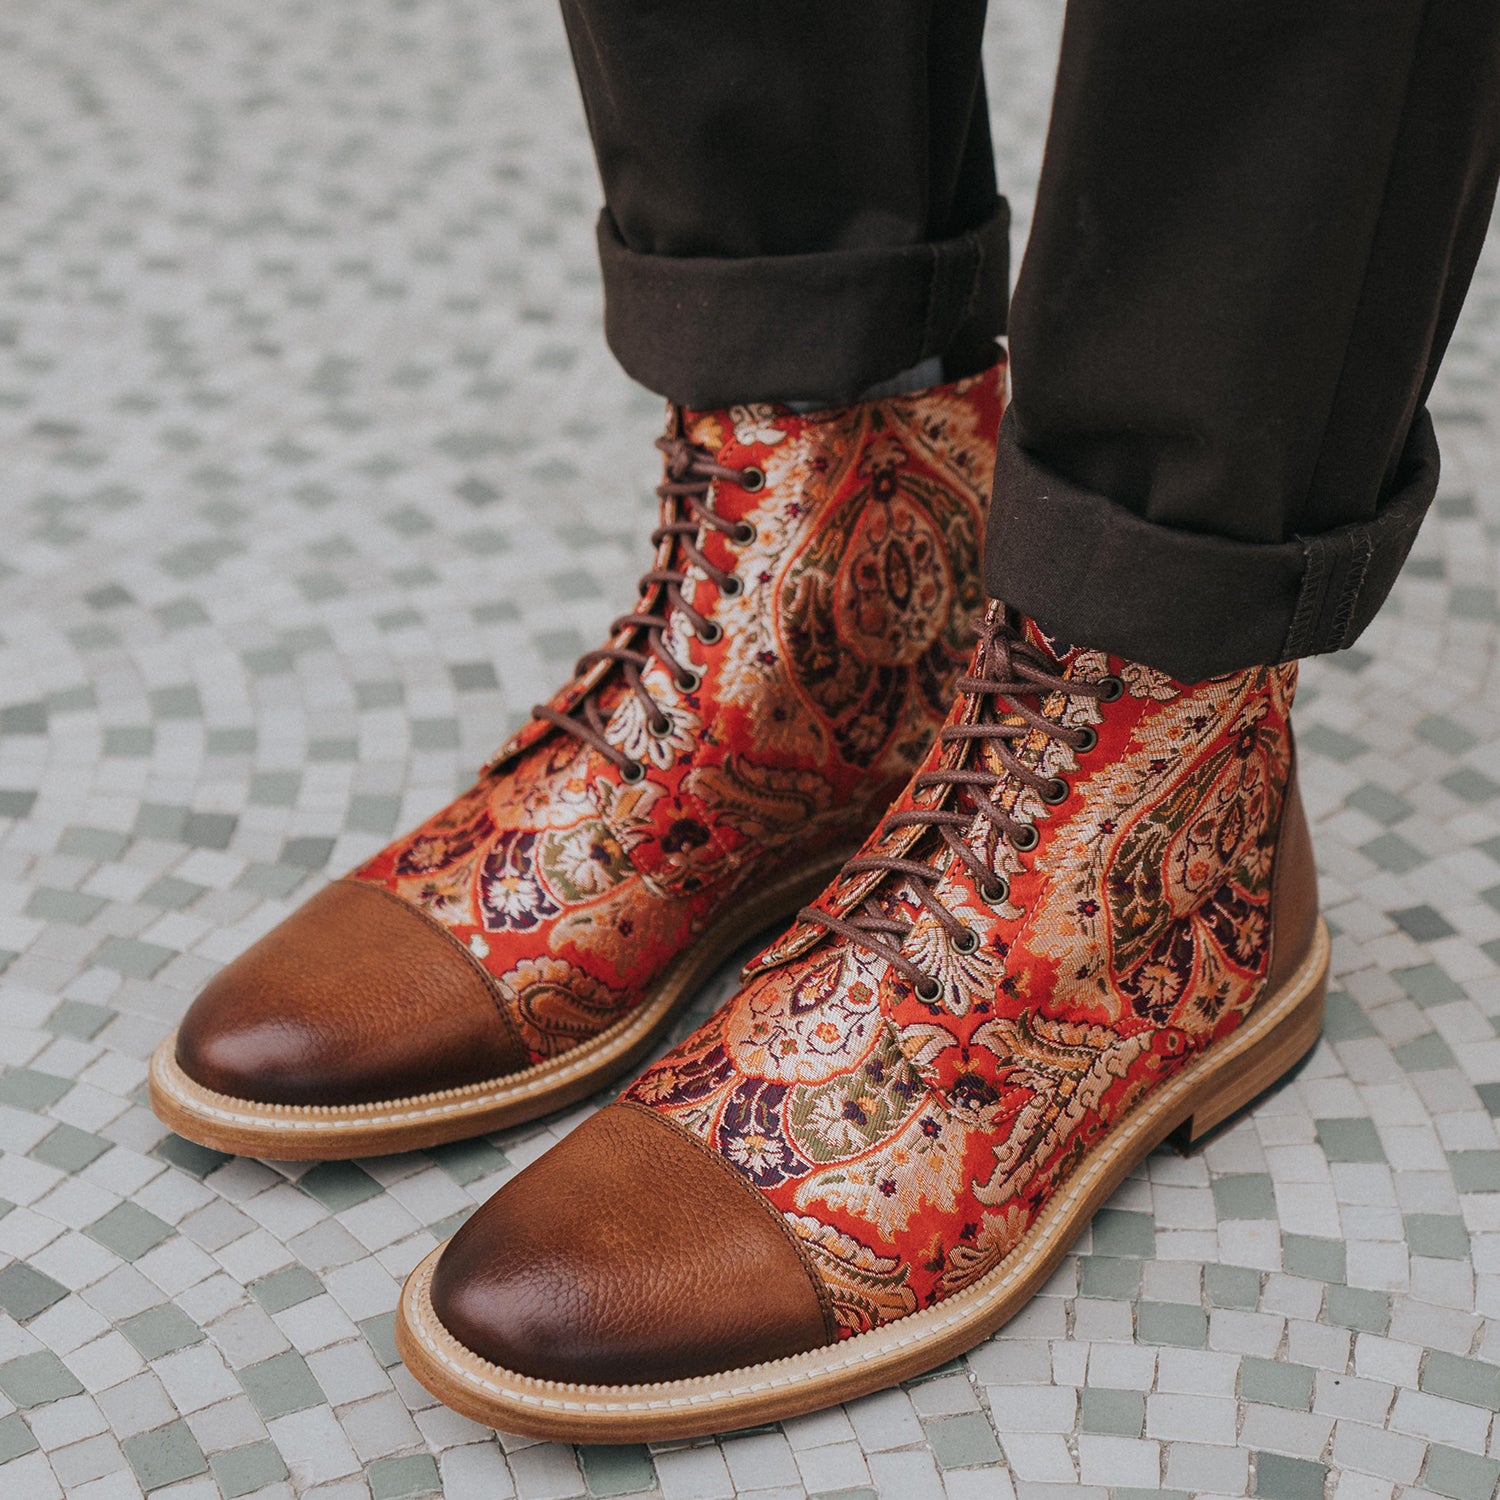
{"points": [[811, 601], [1088, 922]]}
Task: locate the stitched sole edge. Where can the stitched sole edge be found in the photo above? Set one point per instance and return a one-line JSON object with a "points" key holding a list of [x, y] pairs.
{"points": [[303, 1132], [1283, 1028]]}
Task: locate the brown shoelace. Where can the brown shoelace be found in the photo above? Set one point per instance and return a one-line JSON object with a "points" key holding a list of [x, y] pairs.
{"points": [[690, 470], [1015, 672]]}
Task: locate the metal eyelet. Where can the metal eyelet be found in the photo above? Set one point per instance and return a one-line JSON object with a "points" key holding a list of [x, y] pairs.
{"points": [[1054, 791], [995, 891], [660, 728], [689, 681], [711, 633], [743, 534], [732, 588], [1088, 739], [1114, 688], [929, 991], [1025, 839], [966, 942], [752, 479], [632, 772]]}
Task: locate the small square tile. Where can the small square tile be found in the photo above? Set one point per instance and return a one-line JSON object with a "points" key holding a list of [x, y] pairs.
{"points": [[69, 1149], [469, 1161], [1280, 1478], [1472, 1381], [25, 1292], [280, 1385], [402, 1478], [161, 1330], [1460, 1475], [286, 1288], [617, 1470], [1231, 1286], [77, 1018], [1122, 1413], [15, 1438], [25, 1088], [338, 1185], [1117, 1232], [1173, 1324], [1350, 1140], [1271, 1382], [962, 1442], [1244, 1196], [1320, 1260], [35, 1379], [380, 1333], [189, 1156], [1363, 1311], [1439, 1236], [1473, 1171], [164, 1456], [130, 1231]]}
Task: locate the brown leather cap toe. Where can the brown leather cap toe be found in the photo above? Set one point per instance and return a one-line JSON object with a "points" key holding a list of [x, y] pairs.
{"points": [[629, 1253], [354, 998]]}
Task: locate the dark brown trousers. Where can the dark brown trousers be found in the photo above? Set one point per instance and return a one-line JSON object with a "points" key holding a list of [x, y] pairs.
{"points": [[1255, 226]]}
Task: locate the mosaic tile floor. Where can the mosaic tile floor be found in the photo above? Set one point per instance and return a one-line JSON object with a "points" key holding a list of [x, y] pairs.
{"points": [[316, 477]]}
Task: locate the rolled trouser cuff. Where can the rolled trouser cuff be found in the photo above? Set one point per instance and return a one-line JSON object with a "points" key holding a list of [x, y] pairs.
{"points": [[1093, 573], [709, 331]]}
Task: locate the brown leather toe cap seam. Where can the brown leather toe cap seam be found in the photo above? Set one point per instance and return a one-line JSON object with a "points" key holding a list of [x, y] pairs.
{"points": [[518, 1048], [820, 1289]]}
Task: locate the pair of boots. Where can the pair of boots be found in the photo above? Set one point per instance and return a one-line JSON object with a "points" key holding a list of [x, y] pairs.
{"points": [[1086, 920]]}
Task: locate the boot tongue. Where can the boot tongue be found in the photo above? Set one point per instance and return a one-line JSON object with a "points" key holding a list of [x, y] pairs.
{"points": [[1059, 653]]}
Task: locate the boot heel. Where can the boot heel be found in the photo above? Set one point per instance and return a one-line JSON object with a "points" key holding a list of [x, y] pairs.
{"points": [[1275, 1041]]}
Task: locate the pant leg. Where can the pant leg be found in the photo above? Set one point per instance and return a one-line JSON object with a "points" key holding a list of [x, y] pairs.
{"points": [[1254, 229], [800, 197]]}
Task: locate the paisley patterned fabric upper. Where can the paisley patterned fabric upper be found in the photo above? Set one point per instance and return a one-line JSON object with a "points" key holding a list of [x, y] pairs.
{"points": [[837, 608], [910, 1132]]}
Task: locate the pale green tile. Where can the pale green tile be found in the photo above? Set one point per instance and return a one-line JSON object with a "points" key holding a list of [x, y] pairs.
{"points": [[36, 1379], [1244, 1195], [1273, 1382], [1119, 1232], [1173, 1323], [1280, 1478], [281, 1384], [242, 1471], [286, 1288], [1440, 1236], [402, 1478], [25, 1291], [1122, 1413], [1363, 1311], [164, 1456], [1473, 1381], [338, 1185], [1460, 1475], [130, 1231], [617, 1470], [69, 1149], [161, 1330], [1350, 1140], [1320, 1260], [964, 1442]]}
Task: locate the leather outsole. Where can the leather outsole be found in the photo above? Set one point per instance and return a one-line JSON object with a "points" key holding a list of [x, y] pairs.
{"points": [[317, 1132], [1282, 1029]]}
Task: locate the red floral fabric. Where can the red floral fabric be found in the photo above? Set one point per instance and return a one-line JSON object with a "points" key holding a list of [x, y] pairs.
{"points": [[910, 1143], [836, 659]]}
